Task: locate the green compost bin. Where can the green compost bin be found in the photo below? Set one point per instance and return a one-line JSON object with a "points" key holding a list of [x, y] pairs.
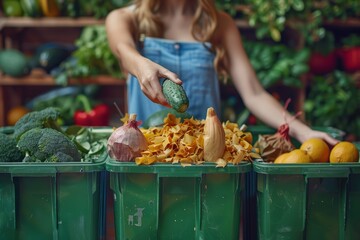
{"points": [[44, 201], [250, 212], [168, 201], [308, 201]]}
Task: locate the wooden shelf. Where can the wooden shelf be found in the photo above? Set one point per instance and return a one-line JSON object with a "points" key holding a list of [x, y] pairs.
{"points": [[37, 78], [14, 91], [56, 22], [346, 23], [349, 23]]}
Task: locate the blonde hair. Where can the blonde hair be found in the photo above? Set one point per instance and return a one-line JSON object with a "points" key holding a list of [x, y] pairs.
{"points": [[204, 26]]}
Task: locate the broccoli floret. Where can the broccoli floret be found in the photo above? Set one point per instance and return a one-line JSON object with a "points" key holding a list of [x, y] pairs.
{"points": [[9, 152], [48, 145], [46, 118]]}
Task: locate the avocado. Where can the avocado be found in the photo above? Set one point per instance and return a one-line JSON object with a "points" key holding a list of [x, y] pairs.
{"points": [[14, 63]]}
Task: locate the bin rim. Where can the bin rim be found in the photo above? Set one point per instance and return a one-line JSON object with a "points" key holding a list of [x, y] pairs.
{"points": [[261, 167], [264, 129], [61, 167], [44, 167], [205, 168]]}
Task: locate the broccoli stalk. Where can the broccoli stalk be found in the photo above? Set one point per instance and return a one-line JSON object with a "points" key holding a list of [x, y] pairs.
{"points": [[9, 152]]}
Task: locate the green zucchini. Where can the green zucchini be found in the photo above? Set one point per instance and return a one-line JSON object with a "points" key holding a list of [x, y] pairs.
{"points": [[175, 95]]}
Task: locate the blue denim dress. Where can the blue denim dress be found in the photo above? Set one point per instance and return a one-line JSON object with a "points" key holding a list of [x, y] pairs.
{"points": [[193, 63]]}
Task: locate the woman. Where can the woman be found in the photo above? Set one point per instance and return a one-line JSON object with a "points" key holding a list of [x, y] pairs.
{"points": [[191, 43]]}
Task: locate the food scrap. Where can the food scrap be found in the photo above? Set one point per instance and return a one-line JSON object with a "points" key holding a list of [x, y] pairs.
{"points": [[183, 142]]}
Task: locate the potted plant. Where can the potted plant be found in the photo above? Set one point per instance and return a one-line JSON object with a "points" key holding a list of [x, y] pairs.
{"points": [[349, 54], [323, 55]]}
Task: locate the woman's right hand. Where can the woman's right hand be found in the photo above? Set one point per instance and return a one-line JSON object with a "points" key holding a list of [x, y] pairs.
{"points": [[148, 74]]}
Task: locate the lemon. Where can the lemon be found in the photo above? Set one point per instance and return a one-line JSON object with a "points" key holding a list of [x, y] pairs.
{"points": [[317, 149], [344, 152], [281, 158], [297, 156]]}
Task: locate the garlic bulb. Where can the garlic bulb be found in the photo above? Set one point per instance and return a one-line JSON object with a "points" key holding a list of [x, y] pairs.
{"points": [[214, 137], [127, 142]]}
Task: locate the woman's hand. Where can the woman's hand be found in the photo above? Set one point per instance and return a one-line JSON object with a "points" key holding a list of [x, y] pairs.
{"points": [[310, 133], [148, 75]]}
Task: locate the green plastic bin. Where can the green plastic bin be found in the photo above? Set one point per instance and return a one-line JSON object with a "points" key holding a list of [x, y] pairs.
{"points": [[47, 201], [168, 201], [308, 201], [251, 209]]}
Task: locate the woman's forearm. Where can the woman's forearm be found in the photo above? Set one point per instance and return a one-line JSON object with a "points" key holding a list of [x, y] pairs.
{"points": [[272, 113], [121, 38], [129, 57]]}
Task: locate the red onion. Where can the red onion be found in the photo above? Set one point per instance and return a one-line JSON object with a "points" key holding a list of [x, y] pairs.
{"points": [[127, 142]]}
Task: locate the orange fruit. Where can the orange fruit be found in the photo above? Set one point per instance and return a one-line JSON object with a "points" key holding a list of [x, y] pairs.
{"points": [[317, 149], [344, 152], [281, 158], [15, 114], [297, 156]]}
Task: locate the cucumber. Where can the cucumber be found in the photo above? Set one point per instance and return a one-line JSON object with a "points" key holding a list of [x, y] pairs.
{"points": [[175, 95], [157, 118], [14, 63]]}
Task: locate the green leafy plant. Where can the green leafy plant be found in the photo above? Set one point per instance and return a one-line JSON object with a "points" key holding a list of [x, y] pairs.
{"points": [[352, 40], [269, 17], [338, 9], [324, 45], [307, 16], [277, 63], [92, 57], [98, 9], [333, 101], [228, 6]]}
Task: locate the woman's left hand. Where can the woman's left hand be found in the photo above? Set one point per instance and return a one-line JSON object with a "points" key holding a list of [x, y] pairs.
{"points": [[317, 134]]}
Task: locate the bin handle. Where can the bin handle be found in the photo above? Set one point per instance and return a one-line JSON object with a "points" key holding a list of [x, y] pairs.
{"points": [[327, 172], [179, 174]]}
